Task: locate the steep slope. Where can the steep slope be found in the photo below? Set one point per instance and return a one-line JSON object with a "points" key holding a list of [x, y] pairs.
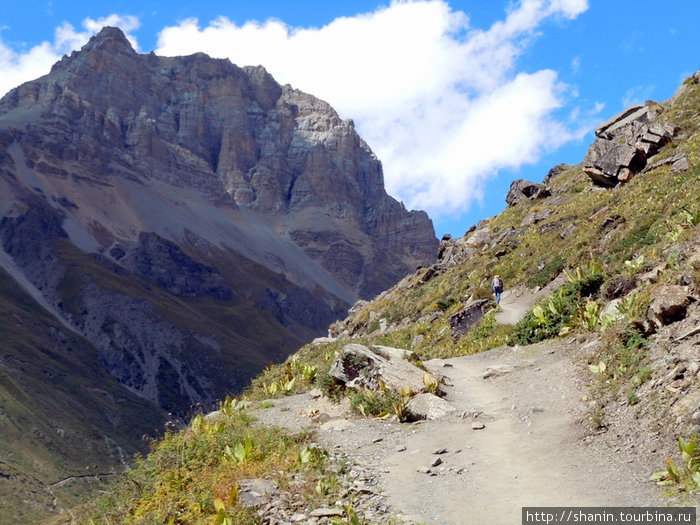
{"points": [[65, 421], [188, 222]]}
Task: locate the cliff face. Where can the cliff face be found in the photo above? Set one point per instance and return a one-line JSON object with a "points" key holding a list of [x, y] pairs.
{"points": [[192, 219]]}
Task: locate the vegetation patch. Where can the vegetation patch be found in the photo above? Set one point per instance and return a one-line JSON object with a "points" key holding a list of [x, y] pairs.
{"points": [[552, 317], [193, 476]]}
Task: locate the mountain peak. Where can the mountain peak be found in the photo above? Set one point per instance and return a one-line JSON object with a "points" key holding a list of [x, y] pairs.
{"points": [[110, 39]]}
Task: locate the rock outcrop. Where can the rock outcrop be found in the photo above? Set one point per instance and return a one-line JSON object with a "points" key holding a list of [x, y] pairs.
{"points": [[360, 367], [668, 304], [522, 190], [462, 321], [624, 144]]}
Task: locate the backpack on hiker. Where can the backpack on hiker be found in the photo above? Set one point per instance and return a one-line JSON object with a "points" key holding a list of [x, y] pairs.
{"points": [[497, 285]]}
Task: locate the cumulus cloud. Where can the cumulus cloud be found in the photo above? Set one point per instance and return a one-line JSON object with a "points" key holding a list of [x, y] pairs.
{"points": [[18, 67], [443, 104], [440, 102]]}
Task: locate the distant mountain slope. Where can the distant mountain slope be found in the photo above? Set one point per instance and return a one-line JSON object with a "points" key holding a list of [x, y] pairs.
{"points": [[61, 414], [184, 223]]}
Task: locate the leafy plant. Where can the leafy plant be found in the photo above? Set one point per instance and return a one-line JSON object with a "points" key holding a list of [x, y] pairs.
{"points": [[309, 372], [597, 369], [431, 384], [687, 476], [240, 452], [633, 266], [222, 517], [634, 305], [551, 317]]}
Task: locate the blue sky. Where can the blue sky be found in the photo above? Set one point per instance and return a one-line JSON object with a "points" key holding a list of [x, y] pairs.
{"points": [[457, 98]]}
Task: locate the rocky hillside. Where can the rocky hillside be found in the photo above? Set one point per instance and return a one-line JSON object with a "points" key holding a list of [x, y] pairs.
{"points": [[601, 263], [168, 228]]}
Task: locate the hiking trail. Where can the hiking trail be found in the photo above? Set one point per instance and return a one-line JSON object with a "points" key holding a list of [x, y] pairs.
{"points": [[519, 438]]}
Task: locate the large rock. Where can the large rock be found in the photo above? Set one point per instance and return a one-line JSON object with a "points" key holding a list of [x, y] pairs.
{"points": [[522, 190], [479, 237], [362, 368], [554, 172], [668, 304], [427, 406], [624, 144], [462, 321]]}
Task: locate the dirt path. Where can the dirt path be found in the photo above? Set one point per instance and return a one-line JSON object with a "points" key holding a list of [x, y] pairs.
{"points": [[529, 453], [532, 449], [516, 301], [520, 437]]}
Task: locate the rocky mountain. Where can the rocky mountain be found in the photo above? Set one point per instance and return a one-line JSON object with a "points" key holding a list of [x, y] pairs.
{"points": [[172, 225]]}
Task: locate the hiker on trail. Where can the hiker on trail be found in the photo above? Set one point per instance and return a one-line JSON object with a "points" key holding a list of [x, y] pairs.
{"points": [[497, 286]]}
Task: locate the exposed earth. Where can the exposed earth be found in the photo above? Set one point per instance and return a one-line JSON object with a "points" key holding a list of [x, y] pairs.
{"points": [[520, 437]]}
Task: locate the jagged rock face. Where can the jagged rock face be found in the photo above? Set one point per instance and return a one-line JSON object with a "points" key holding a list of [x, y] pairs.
{"points": [[193, 219], [522, 190], [624, 144]]}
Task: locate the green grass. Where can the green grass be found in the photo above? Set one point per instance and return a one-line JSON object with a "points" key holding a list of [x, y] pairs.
{"points": [[193, 476]]}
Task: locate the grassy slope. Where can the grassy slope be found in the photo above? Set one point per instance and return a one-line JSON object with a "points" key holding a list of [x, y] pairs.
{"points": [[59, 415], [656, 215]]}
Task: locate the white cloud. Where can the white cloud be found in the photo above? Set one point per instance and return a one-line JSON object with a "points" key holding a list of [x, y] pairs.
{"points": [[576, 65], [19, 67], [637, 95], [440, 102]]}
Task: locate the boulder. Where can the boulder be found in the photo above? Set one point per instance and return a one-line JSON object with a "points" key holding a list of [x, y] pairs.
{"points": [[534, 217], [462, 321], [480, 237], [522, 190], [360, 367], [427, 406], [450, 252], [624, 144], [668, 304], [556, 170]]}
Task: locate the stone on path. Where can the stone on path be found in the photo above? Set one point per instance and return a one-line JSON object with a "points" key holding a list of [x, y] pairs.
{"points": [[427, 406]]}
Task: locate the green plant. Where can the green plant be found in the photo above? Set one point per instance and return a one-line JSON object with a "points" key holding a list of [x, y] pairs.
{"points": [[634, 305], [400, 403], [240, 452], [370, 403], [351, 517], [309, 372], [588, 316], [431, 384], [633, 266], [222, 517], [330, 387], [192, 476], [687, 476]]}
